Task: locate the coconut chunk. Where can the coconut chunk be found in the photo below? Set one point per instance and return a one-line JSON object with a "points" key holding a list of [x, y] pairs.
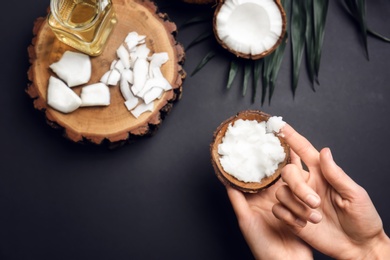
{"points": [[128, 75], [125, 89], [275, 124], [119, 66], [142, 51], [156, 61], [153, 94], [142, 108], [141, 68], [74, 68], [250, 27], [111, 77], [61, 97], [133, 39], [152, 83], [131, 103], [124, 56], [95, 95], [131, 36]]}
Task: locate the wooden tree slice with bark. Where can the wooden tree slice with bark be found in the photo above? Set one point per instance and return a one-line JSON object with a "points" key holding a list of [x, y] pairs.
{"points": [[113, 124]]}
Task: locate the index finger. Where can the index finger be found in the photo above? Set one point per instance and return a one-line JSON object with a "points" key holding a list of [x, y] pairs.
{"points": [[301, 146]]}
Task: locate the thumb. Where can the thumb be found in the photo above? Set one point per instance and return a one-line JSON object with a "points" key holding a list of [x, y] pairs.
{"points": [[335, 176]]}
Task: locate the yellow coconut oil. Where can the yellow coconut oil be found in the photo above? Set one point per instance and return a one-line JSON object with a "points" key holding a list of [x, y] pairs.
{"points": [[82, 24]]}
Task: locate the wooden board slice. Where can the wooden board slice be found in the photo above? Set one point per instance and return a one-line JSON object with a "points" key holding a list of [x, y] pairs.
{"points": [[113, 124]]}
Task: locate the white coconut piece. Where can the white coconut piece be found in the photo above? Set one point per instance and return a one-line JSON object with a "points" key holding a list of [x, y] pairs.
{"points": [[152, 83], [104, 78], [156, 61], [111, 77], [131, 103], [275, 124], [95, 95], [119, 66], [74, 68], [141, 39], [132, 45], [128, 75], [249, 26], [153, 94], [61, 97], [124, 56], [125, 89], [142, 51], [132, 40], [141, 68], [142, 108], [131, 36]]}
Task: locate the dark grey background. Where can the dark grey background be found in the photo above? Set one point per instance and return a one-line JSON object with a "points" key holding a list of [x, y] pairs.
{"points": [[159, 198]]}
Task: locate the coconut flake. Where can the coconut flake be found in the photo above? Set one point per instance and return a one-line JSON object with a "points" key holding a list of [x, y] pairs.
{"points": [[152, 83], [61, 97], [111, 77], [124, 56], [153, 94], [141, 68], [142, 51], [131, 103], [95, 95], [128, 75], [275, 124], [142, 108], [74, 68]]}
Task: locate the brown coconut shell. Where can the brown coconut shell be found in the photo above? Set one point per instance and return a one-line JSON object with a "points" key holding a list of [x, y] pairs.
{"points": [[248, 55], [226, 178]]}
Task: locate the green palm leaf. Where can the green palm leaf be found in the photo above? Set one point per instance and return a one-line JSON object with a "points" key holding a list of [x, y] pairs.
{"points": [[247, 76], [278, 58], [298, 26], [204, 61], [310, 41], [199, 39], [357, 8], [232, 73], [258, 64], [353, 12], [320, 10]]}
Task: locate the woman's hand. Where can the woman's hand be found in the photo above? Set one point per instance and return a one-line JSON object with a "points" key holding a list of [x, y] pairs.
{"points": [[325, 207], [267, 237]]}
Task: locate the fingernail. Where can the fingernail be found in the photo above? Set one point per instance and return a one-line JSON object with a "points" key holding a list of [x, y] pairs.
{"points": [[330, 154], [312, 200], [315, 217], [300, 222]]}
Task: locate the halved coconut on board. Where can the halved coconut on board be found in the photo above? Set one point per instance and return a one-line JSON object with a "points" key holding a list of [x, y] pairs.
{"points": [[253, 153], [250, 29]]}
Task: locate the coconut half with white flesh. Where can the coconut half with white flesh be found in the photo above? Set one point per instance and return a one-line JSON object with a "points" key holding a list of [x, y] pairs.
{"points": [[264, 152], [250, 29]]}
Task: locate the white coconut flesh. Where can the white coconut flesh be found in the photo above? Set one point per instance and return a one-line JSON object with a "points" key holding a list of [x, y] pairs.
{"points": [[249, 26]]}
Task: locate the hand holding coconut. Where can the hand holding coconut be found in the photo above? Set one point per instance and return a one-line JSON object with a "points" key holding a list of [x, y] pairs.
{"points": [[322, 208]]}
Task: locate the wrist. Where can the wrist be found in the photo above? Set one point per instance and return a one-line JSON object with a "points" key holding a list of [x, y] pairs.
{"points": [[379, 249]]}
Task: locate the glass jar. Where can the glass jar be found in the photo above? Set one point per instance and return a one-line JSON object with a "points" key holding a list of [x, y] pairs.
{"points": [[82, 24]]}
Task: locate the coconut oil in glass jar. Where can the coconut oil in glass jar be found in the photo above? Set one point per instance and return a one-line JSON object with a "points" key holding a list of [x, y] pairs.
{"points": [[82, 24]]}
